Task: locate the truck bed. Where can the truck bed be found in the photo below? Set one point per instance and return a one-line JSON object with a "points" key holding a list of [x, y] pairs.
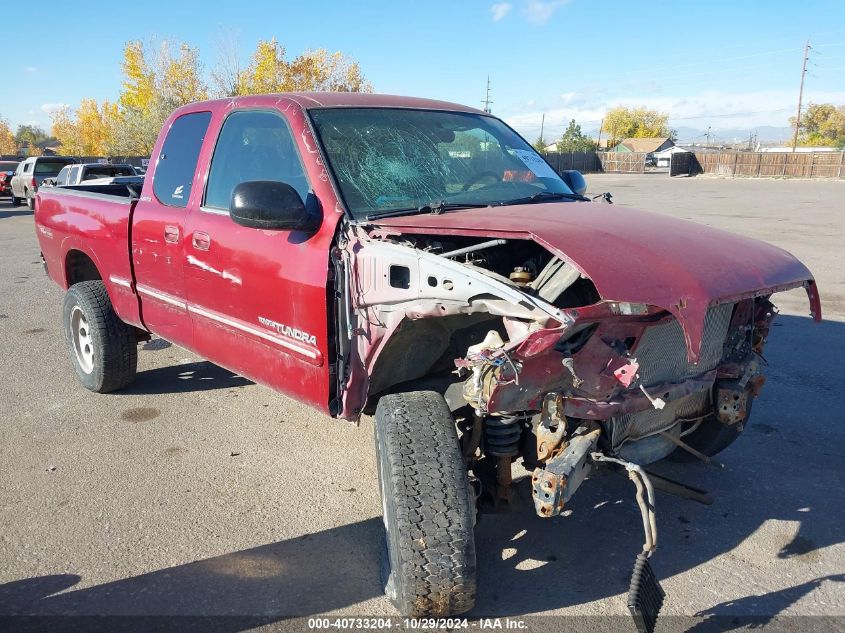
{"points": [[82, 224]]}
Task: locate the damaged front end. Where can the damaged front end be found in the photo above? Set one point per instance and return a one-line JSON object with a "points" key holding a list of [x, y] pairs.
{"points": [[521, 342], [539, 361]]}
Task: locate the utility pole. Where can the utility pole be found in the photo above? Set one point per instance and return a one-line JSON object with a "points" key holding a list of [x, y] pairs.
{"points": [[801, 94], [601, 129], [542, 127], [487, 102]]}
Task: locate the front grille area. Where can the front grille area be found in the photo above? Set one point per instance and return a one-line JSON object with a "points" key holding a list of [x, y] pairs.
{"points": [[662, 353], [662, 357]]}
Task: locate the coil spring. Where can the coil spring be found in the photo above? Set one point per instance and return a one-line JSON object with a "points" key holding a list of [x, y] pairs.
{"points": [[501, 435]]}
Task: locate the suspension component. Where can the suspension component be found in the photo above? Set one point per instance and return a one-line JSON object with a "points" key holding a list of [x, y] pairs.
{"points": [[501, 440], [501, 435]]}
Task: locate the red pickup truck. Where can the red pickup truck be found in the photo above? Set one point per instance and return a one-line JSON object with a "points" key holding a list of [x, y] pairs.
{"points": [[418, 260]]}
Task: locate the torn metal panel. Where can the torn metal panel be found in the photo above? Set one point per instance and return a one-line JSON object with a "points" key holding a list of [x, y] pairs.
{"points": [[679, 270]]}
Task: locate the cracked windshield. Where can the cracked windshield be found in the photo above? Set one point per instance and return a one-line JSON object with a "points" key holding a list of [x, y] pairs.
{"points": [[393, 160]]}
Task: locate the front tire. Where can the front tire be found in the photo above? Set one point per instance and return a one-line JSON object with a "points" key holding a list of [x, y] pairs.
{"points": [[711, 437], [428, 506], [103, 349]]}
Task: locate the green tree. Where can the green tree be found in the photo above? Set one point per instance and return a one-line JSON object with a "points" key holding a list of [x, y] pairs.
{"points": [[574, 141], [822, 125], [28, 137], [623, 122], [540, 144]]}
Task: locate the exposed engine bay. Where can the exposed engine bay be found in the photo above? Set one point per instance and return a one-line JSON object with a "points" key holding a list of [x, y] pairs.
{"points": [[530, 357]]}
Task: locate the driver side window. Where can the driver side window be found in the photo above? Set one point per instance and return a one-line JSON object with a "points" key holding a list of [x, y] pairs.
{"points": [[253, 145]]}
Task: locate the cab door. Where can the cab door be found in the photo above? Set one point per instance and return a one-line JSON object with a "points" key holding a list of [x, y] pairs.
{"points": [[257, 298], [158, 230]]}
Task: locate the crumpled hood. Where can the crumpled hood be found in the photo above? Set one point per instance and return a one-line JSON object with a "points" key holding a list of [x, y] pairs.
{"points": [[636, 256]]}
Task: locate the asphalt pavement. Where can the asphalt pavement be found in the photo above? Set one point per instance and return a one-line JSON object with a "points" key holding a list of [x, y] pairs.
{"points": [[196, 492]]}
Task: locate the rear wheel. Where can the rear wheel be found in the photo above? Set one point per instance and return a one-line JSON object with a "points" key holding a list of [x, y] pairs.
{"points": [[30, 202], [429, 563], [103, 349], [15, 200]]}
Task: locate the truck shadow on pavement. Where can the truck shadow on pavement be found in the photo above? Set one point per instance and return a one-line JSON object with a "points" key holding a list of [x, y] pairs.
{"points": [[184, 378], [8, 211], [779, 484]]}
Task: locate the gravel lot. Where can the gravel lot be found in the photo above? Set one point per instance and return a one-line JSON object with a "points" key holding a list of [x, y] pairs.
{"points": [[196, 492]]}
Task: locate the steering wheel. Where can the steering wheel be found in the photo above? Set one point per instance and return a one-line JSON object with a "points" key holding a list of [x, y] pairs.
{"points": [[476, 177]]}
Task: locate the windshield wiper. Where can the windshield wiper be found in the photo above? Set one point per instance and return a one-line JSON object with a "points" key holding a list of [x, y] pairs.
{"points": [[544, 196], [431, 207]]}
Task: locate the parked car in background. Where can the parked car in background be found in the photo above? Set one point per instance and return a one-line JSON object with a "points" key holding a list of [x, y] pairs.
{"points": [[76, 174], [7, 170], [31, 173]]}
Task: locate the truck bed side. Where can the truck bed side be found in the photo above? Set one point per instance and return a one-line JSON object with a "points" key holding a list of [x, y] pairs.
{"points": [[84, 235]]}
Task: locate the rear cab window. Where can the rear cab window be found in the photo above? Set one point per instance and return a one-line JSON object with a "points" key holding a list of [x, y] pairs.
{"points": [[177, 162], [50, 166]]}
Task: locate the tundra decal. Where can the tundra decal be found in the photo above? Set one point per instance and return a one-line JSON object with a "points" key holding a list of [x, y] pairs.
{"points": [[287, 330]]}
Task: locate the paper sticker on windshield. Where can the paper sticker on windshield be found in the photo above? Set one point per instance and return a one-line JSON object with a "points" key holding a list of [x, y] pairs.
{"points": [[537, 165]]}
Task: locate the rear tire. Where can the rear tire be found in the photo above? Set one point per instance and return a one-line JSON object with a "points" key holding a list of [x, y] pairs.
{"points": [[429, 564], [103, 349], [30, 202], [15, 201]]}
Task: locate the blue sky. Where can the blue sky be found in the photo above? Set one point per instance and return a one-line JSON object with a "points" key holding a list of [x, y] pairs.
{"points": [[718, 63]]}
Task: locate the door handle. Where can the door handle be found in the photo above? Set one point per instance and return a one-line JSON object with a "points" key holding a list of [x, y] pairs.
{"points": [[201, 241], [171, 234]]}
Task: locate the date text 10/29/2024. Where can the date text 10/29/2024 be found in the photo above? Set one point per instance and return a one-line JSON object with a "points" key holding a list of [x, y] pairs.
{"points": [[417, 624]]}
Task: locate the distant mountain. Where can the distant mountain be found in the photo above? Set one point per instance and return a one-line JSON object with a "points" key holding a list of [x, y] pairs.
{"points": [[765, 134]]}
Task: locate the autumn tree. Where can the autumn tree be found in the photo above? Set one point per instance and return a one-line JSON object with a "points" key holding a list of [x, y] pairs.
{"points": [[622, 122], [87, 131], [157, 80], [270, 71], [574, 141], [822, 125], [8, 144]]}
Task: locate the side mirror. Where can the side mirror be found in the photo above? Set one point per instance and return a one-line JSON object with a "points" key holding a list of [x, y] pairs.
{"points": [[574, 179], [267, 204]]}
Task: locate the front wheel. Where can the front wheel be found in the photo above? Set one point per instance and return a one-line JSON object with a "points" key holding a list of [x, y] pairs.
{"points": [[103, 349], [428, 506], [711, 437]]}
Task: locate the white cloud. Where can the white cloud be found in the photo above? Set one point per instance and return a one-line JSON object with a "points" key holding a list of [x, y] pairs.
{"points": [[49, 108], [30, 69], [500, 10], [714, 108], [541, 11]]}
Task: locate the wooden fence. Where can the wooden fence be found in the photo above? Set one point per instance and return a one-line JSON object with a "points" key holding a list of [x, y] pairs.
{"points": [[591, 162], [771, 164]]}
